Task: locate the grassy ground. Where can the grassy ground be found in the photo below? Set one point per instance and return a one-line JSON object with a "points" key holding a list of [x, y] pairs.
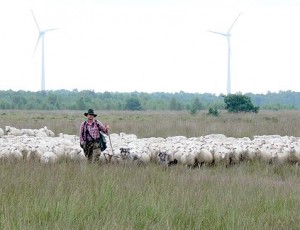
{"points": [[88, 196], [71, 195], [162, 124]]}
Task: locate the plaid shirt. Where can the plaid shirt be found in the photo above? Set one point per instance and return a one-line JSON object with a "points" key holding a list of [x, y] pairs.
{"points": [[93, 130]]}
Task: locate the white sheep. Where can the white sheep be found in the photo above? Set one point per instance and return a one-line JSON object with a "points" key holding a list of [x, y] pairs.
{"points": [[282, 155], [266, 154], [295, 154], [13, 131], [205, 156], [236, 154], [48, 157], [189, 159], [29, 132], [1, 132], [221, 155], [195, 151]]}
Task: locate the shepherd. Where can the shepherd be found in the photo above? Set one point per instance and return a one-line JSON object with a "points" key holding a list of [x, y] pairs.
{"points": [[91, 138]]}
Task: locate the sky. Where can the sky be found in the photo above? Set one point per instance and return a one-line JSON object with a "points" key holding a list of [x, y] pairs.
{"points": [[151, 45]]}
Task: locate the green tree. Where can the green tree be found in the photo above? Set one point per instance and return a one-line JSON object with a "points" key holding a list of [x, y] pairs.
{"points": [[4, 104], [173, 104], [213, 111], [133, 103], [239, 103], [193, 111], [82, 100], [197, 104], [81, 104], [54, 100], [19, 101]]}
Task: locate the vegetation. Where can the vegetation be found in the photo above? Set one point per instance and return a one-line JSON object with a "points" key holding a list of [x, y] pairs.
{"points": [[70, 195], [239, 103], [83, 100], [193, 111], [162, 123], [213, 112], [133, 103]]}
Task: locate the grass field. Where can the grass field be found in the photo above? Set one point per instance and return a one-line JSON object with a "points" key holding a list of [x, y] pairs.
{"points": [[80, 196], [70, 195], [162, 124]]}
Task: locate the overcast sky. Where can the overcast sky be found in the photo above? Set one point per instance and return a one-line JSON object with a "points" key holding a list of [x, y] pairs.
{"points": [[151, 45]]}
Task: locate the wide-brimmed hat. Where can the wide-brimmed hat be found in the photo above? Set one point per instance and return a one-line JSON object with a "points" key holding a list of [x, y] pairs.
{"points": [[90, 112]]}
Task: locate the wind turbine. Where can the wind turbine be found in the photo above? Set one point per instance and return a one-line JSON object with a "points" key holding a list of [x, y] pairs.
{"points": [[228, 35], [41, 36]]}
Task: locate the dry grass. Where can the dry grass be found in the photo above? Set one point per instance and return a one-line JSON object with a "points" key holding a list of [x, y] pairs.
{"points": [[71, 195], [162, 124], [80, 196]]}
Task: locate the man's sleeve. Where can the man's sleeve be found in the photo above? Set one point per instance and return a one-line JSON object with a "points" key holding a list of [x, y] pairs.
{"points": [[102, 127]]}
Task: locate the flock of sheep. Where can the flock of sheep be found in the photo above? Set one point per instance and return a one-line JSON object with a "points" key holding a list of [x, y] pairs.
{"points": [[43, 145]]}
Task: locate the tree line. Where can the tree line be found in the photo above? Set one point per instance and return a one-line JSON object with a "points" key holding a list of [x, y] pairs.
{"points": [[85, 99]]}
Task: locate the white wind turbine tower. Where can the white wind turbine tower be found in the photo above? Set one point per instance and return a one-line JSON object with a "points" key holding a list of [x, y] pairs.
{"points": [[228, 35], [41, 36]]}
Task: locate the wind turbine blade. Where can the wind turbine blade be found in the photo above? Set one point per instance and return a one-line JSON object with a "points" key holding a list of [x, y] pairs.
{"points": [[233, 23], [37, 25], [50, 30], [37, 43], [218, 33]]}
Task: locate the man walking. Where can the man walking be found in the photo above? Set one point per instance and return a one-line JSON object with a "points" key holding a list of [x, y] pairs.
{"points": [[90, 135]]}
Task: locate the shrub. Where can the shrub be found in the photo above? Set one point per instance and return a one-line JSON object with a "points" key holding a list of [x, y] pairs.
{"points": [[239, 103], [193, 110], [213, 112]]}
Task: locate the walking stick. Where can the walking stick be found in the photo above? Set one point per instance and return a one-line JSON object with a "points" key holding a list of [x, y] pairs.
{"points": [[112, 150]]}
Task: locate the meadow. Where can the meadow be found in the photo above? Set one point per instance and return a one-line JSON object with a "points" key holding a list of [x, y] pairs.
{"points": [[72, 195], [163, 123]]}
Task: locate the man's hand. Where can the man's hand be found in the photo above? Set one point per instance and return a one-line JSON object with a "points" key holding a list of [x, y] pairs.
{"points": [[107, 127]]}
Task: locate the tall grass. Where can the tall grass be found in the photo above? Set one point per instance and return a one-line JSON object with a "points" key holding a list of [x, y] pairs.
{"points": [[88, 196], [70, 195], [162, 124]]}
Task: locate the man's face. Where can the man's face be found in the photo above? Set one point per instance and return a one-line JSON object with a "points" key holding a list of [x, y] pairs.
{"points": [[90, 117]]}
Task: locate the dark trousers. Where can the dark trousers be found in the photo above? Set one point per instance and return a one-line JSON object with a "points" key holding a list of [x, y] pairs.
{"points": [[91, 151]]}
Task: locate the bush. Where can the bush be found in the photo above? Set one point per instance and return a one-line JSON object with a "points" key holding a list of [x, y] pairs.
{"points": [[193, 111], [133, 104], [213, 112], [239, 103]]}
